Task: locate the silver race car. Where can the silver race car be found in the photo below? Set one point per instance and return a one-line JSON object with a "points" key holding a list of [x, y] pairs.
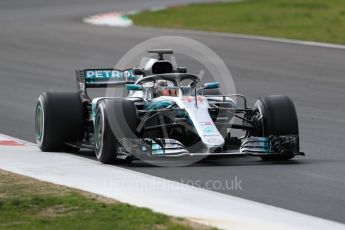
{"points": [[163, 112]]}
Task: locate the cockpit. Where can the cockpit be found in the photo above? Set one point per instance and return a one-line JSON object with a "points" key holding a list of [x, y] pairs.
{"points": [[160, 77]]}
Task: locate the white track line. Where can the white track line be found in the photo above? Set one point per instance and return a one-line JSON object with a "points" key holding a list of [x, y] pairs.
{"points": [[249, 37], [252, 37], [169, 197]]}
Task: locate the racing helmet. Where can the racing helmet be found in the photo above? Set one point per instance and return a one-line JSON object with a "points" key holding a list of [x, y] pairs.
{"points": [[166, 88]]}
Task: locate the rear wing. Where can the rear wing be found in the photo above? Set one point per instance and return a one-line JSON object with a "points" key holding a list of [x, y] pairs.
{"points": [[102, 78]]}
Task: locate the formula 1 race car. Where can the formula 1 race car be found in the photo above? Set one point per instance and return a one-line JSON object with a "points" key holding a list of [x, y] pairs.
{"points": [[163, 113]]}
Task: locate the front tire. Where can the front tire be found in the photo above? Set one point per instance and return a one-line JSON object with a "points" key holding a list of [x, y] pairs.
{"points": [[277, 116], [111, 124], [105, 143]]}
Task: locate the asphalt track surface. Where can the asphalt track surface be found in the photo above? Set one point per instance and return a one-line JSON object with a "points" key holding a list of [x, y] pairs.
{"points": [[42, 43]]}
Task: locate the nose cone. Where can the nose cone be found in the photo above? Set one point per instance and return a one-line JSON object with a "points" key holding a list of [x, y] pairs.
{"points": [[217, 141]]}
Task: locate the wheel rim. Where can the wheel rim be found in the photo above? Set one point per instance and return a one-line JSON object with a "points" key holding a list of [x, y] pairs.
{"points": [[260, 121], [39, 122], [98, 131]]}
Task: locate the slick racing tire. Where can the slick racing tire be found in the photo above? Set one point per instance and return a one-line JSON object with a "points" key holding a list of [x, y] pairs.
{"points": [[59, 118], [114, 119], [277, 116]]}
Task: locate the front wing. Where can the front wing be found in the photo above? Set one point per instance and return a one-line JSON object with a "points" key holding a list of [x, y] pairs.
{"points": [[169, 148]]}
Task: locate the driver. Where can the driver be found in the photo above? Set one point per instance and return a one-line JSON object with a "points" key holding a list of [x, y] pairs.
{"points": [[166, 88]]}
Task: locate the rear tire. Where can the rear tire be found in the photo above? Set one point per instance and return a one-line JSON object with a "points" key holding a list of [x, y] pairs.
{"points": [[278, 117], [59, 119]]}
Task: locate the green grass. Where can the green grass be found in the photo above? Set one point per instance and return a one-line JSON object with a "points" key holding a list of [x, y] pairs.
{"points": [[26, 203], [316, 20]]}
